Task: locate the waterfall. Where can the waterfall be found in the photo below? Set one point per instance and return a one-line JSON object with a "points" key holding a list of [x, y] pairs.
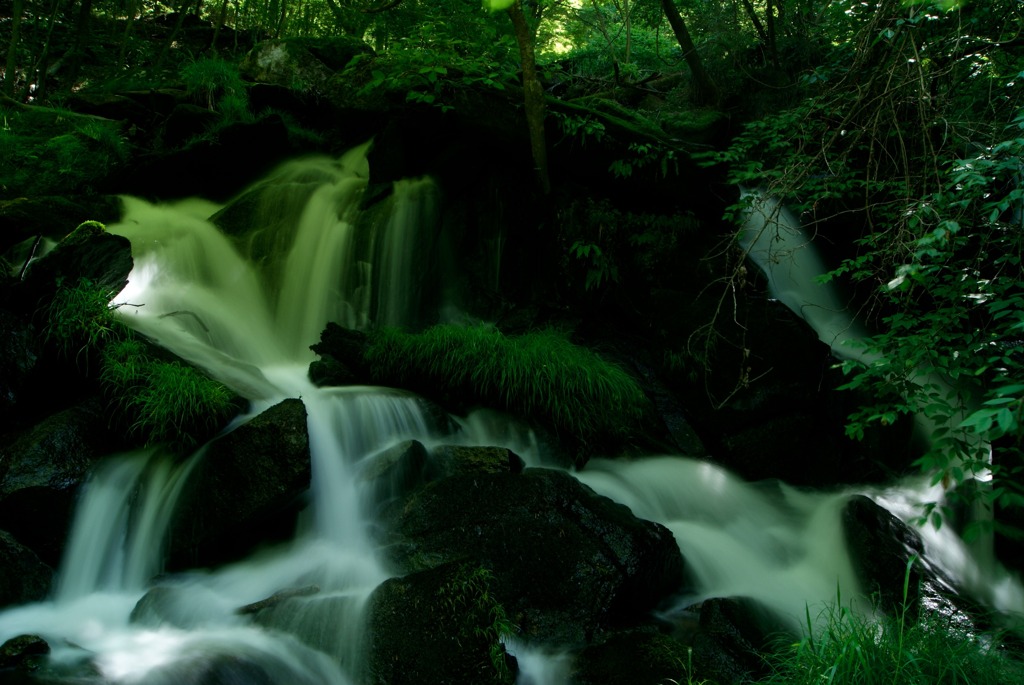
{"points": [[241, 290]]}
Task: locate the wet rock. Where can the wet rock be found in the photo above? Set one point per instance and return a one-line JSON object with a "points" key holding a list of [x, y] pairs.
{"points": [[51, 216], [277, 598], [567, 561], [731, 636], [344, 348], [246, 490], [881, 548], [435, 626], [632, 657], [19, 350], [23, 577], [457, 460], [41, 470], [394, 474], [23, 652], [88, 252]]}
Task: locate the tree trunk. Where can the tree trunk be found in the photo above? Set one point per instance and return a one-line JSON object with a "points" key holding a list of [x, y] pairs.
{"points": [[704, 90], [81, 33], [533, 93], [129, 23], [182, 9], [10, 71]]}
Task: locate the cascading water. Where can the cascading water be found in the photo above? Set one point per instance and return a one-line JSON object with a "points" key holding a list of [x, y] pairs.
{"points": [[242, 291]]}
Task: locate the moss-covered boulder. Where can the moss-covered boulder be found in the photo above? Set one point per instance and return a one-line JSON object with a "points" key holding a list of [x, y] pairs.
{"points": [[567, 562], [442, 625], [246, 490], [632, 657]]}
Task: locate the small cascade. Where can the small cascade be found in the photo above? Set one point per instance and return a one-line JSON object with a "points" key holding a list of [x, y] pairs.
{"points": [[768, 542], [774, 240], [115, 542]]}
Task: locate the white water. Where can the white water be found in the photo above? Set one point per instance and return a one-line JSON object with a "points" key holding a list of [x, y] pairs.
{"points": [[246, 308]]}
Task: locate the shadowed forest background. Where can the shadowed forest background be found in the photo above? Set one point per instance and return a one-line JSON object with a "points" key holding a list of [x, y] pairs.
{"points": [[583, 176]]}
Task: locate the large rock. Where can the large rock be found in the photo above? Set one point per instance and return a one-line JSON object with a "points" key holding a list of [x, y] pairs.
{"points": [[302, 64], [246, 490], [732, 635], [19, 350], [51, 216], [88, 252], [567, 561], [23, 577], [633, 657], [41, 470], [881, 548], [436, 626]]}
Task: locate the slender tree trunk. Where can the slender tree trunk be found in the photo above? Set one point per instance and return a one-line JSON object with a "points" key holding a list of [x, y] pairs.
{"points": [[748, 7], [129, 23], [10, 70], [81, 34], [38, 71], [182, 9], [533, 93], [705, 91], [220, 23]]}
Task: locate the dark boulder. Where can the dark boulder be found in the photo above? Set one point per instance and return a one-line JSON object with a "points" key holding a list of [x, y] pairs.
{"points": [[187, 122], [23, 577], [730, 639], [393, 475], [246, 490], [88, 252], [19, 350], [437, 626], [881, 549], [52, 216], [23, 652], [41, 470], [633, 657], [343, 357], [567, 561]]}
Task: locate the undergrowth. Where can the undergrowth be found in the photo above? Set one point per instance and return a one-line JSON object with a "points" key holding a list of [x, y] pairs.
{"points": [[539, 375], [469, 600], [163, 401], [160, 401], [905, 648], [51, 150]]}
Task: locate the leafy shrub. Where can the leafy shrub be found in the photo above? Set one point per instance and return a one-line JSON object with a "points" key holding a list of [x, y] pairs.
{"points": [[540, 375]]}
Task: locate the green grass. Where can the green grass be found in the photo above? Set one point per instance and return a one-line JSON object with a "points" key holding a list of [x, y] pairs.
{"points": [[79, 320], [163, 401], [540, 375], [900, 649], [470, 602]]}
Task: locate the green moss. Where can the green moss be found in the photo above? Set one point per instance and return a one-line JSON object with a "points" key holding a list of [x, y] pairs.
{"points": [[539, 375], [45, 150]]}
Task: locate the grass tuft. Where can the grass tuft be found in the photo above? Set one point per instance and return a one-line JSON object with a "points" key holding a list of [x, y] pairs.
{"points": [[165, 401], [80, 320], [900, 649], [540, 375]]}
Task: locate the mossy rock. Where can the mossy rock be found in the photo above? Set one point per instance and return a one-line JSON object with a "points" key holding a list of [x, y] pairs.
{"points": [[633, 657], [437, 626]]}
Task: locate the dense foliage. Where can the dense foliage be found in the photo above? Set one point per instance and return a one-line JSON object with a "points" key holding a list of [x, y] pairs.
{"points": [[908, 145]]}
